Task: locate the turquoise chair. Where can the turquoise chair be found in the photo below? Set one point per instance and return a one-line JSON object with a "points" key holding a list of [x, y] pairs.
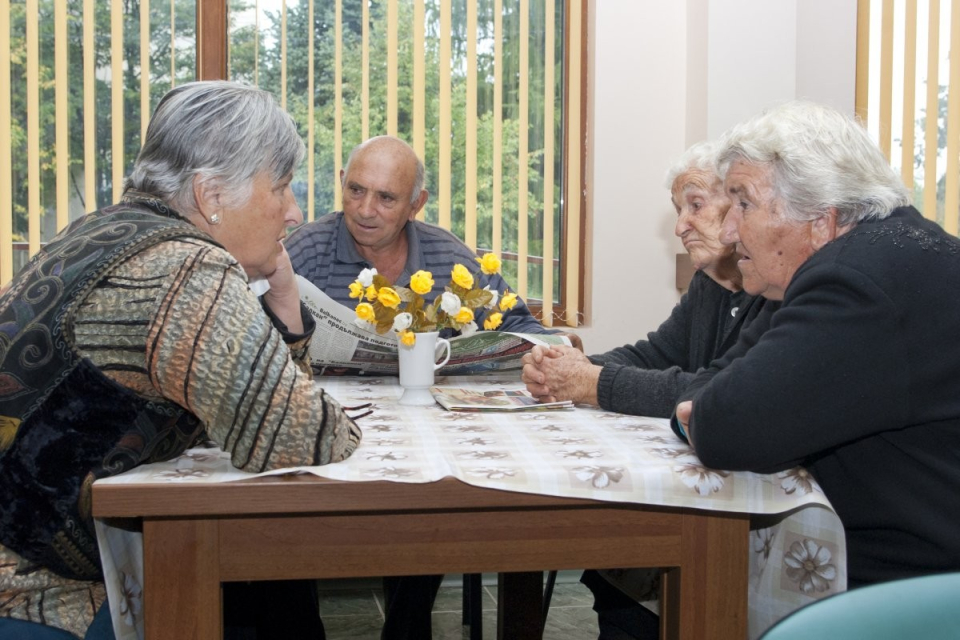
{"points": [[925, 608]]}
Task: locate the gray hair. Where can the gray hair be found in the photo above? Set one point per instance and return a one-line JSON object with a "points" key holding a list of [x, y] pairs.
{"points": [[701, 156], [216, 131], [420, 176], [820, 158]]}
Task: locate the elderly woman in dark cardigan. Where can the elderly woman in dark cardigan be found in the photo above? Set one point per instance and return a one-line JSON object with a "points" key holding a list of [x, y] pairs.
{"points": [[647, 378], [134, 332]]}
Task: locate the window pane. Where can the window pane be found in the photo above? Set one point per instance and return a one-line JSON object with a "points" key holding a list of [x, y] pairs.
{"points": [[85, 89], [256, 56]]}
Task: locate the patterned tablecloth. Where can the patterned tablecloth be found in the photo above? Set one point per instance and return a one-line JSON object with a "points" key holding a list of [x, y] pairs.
{"points": [[798, 551]]}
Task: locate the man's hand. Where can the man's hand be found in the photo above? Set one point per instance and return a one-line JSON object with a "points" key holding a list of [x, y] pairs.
{"points": [[560, 373], [574, 339], [684, 411]]}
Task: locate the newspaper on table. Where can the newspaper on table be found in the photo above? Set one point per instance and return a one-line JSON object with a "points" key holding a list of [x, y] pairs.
{"points": [[341, 346], [462, 399]]}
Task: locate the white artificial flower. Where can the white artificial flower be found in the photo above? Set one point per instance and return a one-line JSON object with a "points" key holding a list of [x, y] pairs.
{"points": [[450, 302], [363, 324], [494, 299], [468, 329], [402, 321], [366, 277]]}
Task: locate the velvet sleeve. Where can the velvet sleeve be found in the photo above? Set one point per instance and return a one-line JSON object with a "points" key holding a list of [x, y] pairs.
{"points": [[646, 378], [827, 372], [516, 320]]}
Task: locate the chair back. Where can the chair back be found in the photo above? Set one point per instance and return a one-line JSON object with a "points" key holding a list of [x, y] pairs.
{"points": [[925, 608]]}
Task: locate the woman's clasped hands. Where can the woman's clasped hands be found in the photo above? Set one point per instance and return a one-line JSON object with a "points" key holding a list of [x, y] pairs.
{"points": [[560, 373]]}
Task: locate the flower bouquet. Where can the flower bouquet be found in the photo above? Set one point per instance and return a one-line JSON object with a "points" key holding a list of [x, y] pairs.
{"points": [[386, 306]]}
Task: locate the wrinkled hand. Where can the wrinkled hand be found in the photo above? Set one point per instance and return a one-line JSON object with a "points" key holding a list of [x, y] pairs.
{"points": [[684, 411], [283, 298], [560, 373], [532, 374]]}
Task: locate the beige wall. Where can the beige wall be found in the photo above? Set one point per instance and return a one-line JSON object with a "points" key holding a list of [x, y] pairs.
{"points": [[663, 76]]}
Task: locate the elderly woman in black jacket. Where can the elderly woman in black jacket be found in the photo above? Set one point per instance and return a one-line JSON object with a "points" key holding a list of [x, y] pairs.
{"points": [[647, 378]]}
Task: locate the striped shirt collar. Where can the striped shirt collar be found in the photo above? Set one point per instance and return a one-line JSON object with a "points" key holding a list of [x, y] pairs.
{"points": [[347, 249]]}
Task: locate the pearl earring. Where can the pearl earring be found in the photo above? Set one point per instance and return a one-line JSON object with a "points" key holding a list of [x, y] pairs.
{"points": [[215, 219]]}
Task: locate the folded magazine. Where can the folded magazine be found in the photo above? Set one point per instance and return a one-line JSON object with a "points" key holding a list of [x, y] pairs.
{"points": [[460, 399]]}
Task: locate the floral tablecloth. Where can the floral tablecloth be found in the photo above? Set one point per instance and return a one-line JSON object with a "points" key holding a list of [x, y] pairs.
{"points": [[798, 551]]}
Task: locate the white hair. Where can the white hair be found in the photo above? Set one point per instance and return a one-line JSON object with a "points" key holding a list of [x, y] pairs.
{"points": [[217, 131], [820, 159], [702, 156]]}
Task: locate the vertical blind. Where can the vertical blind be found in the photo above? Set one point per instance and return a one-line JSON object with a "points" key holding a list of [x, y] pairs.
{"points": [[908, 93], [488, 92], [78, 79]]}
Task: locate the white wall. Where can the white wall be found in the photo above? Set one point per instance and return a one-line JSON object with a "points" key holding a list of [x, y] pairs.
{"points": [[637, 127], [663, 76]]}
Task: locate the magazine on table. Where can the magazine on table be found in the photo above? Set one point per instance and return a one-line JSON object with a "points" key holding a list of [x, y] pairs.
{"points": [[340, 346], [460, 399]]}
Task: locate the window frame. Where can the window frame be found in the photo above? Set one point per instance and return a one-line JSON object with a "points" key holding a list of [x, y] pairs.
{"points": [[212, 57]]}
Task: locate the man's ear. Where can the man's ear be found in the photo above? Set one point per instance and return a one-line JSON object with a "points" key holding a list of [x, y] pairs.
{"points": [[825, 229], [418, 204], [206, 194]]}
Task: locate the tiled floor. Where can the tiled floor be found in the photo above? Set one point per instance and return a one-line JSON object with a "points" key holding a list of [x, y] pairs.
{"points": [[353, 610]]}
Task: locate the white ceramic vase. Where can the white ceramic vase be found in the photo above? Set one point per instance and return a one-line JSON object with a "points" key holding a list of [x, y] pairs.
{"points": [[417, 366]]}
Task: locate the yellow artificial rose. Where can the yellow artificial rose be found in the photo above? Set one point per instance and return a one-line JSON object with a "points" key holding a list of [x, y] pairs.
{"points": [[371, 293], [508, 301], [493, 321], [356, 289], [408, 338], [388, 297], [365, 312], [489, 263], [461, 276], [421, 282], [463, 316]]}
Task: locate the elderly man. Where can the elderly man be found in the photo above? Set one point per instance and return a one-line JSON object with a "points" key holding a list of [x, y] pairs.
{"points": [[858, 375], [382, 194]]}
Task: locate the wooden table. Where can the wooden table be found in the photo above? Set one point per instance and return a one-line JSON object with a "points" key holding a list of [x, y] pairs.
{"points": [[197, 536]]}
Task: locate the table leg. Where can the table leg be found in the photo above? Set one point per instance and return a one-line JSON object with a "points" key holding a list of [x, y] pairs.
{"points": [[708, 599], [181, 575], [520, 606]]}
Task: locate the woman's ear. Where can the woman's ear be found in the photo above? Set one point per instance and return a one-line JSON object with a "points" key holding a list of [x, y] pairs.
{"points": [[825, 229], [206, 194]]}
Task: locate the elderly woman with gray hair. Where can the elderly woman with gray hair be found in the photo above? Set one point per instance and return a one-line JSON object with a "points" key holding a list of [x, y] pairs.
{"points": [[647, 378], [857, 375], [134, 333]]}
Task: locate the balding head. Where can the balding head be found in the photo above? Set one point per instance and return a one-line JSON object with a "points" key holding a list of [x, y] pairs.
{"points": [[395, 150]]}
